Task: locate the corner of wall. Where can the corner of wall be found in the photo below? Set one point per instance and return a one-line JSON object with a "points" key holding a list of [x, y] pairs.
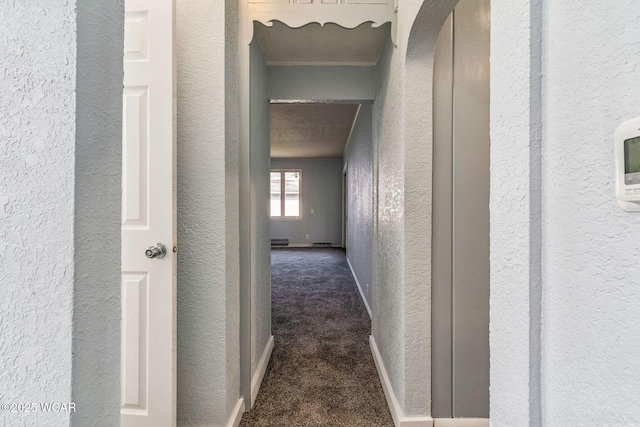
{"points": [[397, 412], [96, 356]]}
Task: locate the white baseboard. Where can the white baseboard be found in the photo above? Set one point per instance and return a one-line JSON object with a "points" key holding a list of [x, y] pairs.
{"points": [[399, 419], [353, 273], [258, 375], [236, 416], [461, 422]]}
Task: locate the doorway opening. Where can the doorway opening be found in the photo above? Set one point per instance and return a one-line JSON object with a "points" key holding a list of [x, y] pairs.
{"points": [[305, 93]]}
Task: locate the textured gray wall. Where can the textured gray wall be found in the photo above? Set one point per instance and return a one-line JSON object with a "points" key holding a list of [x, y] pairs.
{"points": [[260, 242], [387, 290], [322, 192], [403, 129], [232, 205], [208, 315], [322, 83], [359, 159], [96, 302], [387, 321], [37, 156]]}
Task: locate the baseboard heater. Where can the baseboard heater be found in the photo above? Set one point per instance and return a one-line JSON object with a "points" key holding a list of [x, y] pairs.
{"points": [[322, 244], [279, 242]]}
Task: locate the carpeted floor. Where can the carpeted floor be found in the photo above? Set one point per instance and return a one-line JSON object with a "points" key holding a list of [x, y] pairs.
{"points": [[321, 371]]}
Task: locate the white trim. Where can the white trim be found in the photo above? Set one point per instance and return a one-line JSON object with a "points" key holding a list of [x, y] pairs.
{"points": [[344, 195], [399, 419], [283, 194], [461, 422], [236, 416], [353, 273], [258, 375]]}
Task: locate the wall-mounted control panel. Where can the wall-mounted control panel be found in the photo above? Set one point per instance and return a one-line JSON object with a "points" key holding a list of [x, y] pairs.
{"points": [[627, 152]]}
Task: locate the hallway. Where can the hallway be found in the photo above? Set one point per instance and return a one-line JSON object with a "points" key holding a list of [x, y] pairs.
{"points": [[321, 371]]}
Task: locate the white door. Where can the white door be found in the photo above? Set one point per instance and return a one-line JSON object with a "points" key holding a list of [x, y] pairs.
{"points": [[148, 299]]}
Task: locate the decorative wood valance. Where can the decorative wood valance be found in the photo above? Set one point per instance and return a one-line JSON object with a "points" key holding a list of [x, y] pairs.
{"points": [[297, 13]]}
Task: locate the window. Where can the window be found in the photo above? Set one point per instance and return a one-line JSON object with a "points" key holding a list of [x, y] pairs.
{"points": [[285, 193]]}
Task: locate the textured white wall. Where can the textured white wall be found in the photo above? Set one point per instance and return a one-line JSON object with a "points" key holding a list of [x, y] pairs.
{"points": [[563, 255], [591, 247], [322, 192], [515, 234], [37, 130], [359, 159], [208, 308]]}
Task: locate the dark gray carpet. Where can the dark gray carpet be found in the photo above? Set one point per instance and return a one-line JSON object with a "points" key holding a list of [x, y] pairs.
{"points": [[321, 371]]}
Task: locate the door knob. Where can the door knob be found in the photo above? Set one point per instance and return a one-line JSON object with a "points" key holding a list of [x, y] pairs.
{"points": [[157, 251]]}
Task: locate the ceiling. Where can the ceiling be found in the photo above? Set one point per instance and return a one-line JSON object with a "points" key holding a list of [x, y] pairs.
{"points": [[310, 130], [316, 130]]}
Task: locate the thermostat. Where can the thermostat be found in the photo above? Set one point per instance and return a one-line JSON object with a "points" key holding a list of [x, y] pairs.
{"points": [[627, 152]]}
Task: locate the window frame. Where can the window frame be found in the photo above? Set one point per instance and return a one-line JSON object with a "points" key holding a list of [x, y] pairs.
{"points": [[283, 194]]}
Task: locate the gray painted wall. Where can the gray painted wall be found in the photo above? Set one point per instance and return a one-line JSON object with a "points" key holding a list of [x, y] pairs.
{"points": [[260, 241], [96, 302], [232, 205], [403, 157], [38, 132], [358, 157], [322, 83], [460, 262], [442, 228], [208, 280], [387, 322], [322, 192]]}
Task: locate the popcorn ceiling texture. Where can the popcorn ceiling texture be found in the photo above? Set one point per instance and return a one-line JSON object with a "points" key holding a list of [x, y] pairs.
{"points": [[37, 130]]}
